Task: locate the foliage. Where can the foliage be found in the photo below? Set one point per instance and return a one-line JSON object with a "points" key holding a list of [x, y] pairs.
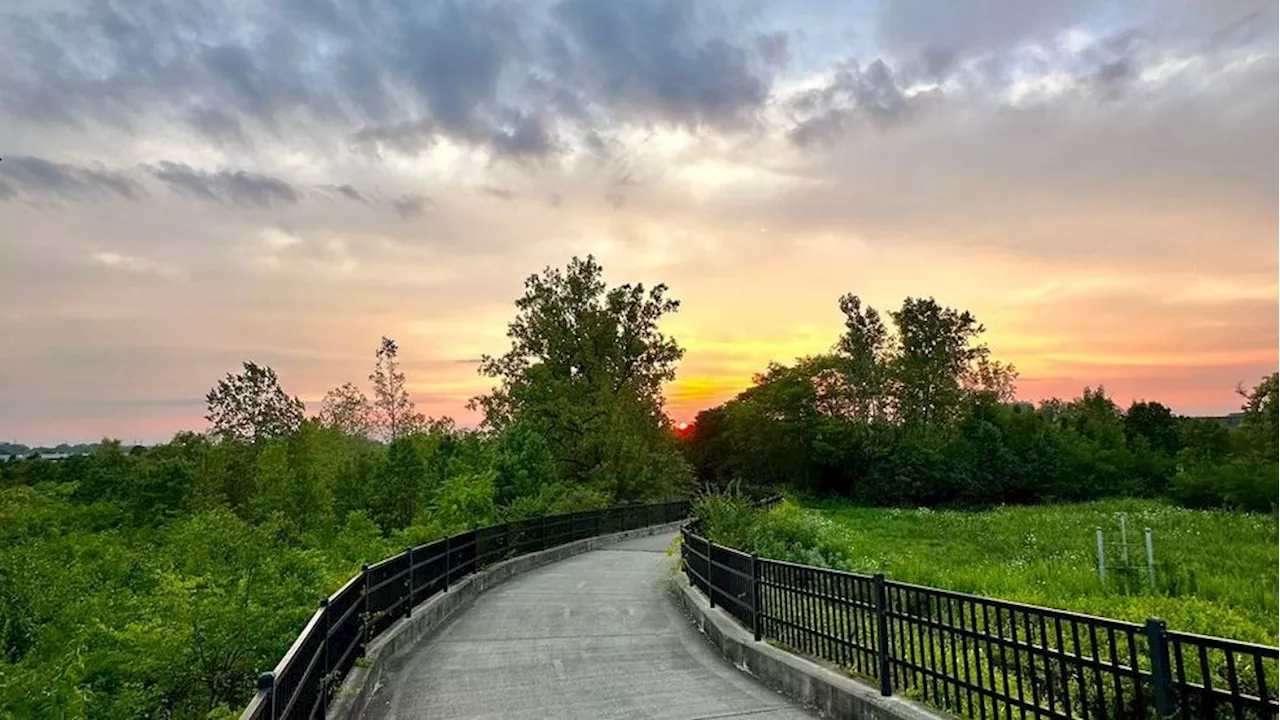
{"points": [[157, 582], [584, 374], [347, 410], [252, 406], [923, 415]]}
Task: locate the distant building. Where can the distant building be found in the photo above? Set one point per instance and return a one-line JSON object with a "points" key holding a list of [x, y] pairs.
{"points": [[1231, 420]]}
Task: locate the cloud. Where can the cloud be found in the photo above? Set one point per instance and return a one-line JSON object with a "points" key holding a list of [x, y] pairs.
{"points": [[852, 95], [132, 264], [499, 193], [409, 205], [237, 187], [348, 192], [515, 80], [662, 60], [909, 26], [26, 176]]}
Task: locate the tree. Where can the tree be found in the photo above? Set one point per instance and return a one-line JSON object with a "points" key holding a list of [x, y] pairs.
{"points": [[1151, 425], [939, 362], [586, 360], [1260, 427], [251, 406], [394, 413], [347, 410], [865, 349]]}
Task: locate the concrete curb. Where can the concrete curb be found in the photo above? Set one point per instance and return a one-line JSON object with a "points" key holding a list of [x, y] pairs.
{"points": [[833, 693], [401, 638]]}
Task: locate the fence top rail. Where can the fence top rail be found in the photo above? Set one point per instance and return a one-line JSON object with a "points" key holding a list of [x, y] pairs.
{"points": [[298, 642], [816, 569], [427, 546], [384, 562], [1022, 607], [346, 587], [1226, 644]]}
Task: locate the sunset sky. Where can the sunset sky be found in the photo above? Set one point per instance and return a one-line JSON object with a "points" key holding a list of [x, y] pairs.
{"points": [[186, 185]]}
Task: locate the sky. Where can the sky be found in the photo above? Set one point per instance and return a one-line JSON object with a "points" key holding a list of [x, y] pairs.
{"points": [[189, 184]]}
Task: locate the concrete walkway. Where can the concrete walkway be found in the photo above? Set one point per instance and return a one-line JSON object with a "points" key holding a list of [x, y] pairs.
{"points": [[591, 637]]}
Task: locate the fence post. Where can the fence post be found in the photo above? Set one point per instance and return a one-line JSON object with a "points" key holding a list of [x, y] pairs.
{"points": [[448, 550], [324, 643], [408, 602], [882, 635], [711, 586], [1161, 678], [757, 625], [542, 532], [267, 684], [364, 616]]}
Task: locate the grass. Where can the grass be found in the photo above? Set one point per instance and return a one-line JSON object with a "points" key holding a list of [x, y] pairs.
{"points": [[1216, 570]]}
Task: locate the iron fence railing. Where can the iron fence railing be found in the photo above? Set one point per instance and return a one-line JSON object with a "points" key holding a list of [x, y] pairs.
{"points": [[305, 680], [980, 657]]}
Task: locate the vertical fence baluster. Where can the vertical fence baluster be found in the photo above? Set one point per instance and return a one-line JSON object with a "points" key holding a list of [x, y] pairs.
{"points": [[267, 684], [711, 586], [408, 601], [364, 616], [1161, 678], [448, 550], [324, 647], [756, 621], [882, 635]]}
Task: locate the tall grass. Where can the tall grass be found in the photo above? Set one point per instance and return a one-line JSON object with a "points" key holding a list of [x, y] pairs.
{"points": [[1216, 574]]}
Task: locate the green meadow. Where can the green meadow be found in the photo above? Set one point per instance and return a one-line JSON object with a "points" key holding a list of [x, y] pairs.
{"points": [[1216, 571]]}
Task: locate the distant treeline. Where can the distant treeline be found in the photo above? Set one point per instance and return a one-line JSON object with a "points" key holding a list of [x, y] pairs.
{"points": [[921, 415], [12, 449]]}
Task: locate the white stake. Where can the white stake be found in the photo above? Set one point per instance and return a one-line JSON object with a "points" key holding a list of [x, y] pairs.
{"points": [[1124, 543], [1102, 557], [1151, 561]]}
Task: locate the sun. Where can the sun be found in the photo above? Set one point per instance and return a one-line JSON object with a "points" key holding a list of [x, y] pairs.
{"points": [[683, 427]]}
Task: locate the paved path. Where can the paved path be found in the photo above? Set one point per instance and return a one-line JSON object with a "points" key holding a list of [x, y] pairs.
{"points": [[592, 637]]}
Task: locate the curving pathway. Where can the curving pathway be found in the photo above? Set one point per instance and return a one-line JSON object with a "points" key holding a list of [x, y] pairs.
{"points": [[592, 637]]}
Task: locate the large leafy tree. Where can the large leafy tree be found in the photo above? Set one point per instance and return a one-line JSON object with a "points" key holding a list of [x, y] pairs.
{"points": [[585, 371], [251, 406], [939, 362]]}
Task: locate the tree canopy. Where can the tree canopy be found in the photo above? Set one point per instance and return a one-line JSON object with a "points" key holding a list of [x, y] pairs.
{"points": [[585, 372], [251, 406]]}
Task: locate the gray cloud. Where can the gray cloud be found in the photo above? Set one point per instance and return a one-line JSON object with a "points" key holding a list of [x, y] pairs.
{"points": [[23, 175], [409, 205], [237, 187], [493, 74], [348, 192], [499, 193], [853, 94], [661, 59]]}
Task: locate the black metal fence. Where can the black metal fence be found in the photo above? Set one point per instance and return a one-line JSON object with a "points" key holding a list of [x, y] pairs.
{"points": [[306, 678], [979, 657]]}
